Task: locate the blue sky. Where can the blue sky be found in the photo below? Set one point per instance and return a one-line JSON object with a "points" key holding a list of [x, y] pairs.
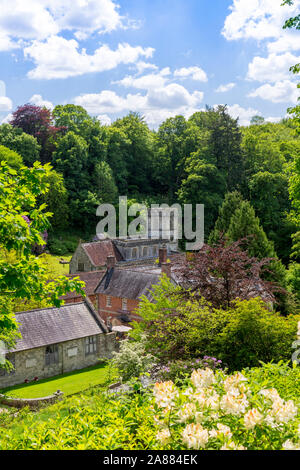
{"points": [[157, 57]]}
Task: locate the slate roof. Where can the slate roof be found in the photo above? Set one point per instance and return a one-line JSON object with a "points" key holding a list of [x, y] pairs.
{"points": [[91, 280], [99, 251], [43, 327], [129, 284]]}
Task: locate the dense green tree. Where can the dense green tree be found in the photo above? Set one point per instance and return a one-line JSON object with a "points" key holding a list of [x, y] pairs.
{"points": [[205, 184], [269, 197], [231, 203], [117, 150], [56, 200], [13, 159], [24, 144], [224, 143], [104, 183], [138, 154]]}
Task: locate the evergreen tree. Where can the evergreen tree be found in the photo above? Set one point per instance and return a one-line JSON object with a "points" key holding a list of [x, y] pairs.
{"points": [[231, 203]]}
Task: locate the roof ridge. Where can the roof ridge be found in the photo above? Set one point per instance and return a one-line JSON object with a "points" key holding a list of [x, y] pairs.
{"points": [[48, 308]]}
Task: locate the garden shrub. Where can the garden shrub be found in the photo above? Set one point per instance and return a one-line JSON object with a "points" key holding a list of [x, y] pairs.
{"points": [[241, 336], [132, 360]]}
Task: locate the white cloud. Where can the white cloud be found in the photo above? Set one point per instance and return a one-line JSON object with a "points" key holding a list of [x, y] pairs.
{"points": [[38, 100], [62, 58], [5, 104], [142, 66], [225, 88], [40, 19], [7, 119], [273, 119], [280, 92], [146, 82], [104, 119], [244, 115], [195, 73], [272, 68], [156, 105], [290, 41], [257, 19], [173, 96]]}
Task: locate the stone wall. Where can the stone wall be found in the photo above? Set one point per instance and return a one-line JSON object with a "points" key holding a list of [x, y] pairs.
{"points": [[32, 403], [30, 364], [80, 256]]}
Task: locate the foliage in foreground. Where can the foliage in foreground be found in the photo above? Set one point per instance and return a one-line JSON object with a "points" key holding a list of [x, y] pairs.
{"points": [[240, 336], [98, 420]]}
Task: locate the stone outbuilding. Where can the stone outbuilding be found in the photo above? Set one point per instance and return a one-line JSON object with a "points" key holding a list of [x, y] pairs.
{"points": [[57, 340]]}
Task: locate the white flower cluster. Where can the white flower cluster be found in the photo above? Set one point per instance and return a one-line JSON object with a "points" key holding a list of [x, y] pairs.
{"points": [[217, 411]]}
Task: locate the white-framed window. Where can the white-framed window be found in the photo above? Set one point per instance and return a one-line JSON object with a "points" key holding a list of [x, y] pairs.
{"points": [[90, 345], [124, 304], [108, 301], [51, 355]]}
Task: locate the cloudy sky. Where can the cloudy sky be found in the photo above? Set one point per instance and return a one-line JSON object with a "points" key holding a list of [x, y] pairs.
{"points": [[157, 57]]}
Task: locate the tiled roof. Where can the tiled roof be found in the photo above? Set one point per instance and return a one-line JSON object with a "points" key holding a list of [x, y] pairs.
{"points": [[99, 251], [91, 280], [47, 326], [129, 284]]}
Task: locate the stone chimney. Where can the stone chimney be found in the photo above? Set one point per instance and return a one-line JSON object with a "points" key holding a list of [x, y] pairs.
{"points": [[110, 262], [162, 255], [166, 268]]}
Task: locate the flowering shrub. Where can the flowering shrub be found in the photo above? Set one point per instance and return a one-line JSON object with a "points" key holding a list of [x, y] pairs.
{"points": [[132, 361], [179, 370], [222, 412]]}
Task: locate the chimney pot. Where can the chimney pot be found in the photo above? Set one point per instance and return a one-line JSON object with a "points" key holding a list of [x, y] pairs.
{"points": [[163, 255], [166, 268], [110, 262]]}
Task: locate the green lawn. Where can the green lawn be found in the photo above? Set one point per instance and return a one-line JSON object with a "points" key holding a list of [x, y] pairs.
{"points": [[54, 267], [70, 383]]}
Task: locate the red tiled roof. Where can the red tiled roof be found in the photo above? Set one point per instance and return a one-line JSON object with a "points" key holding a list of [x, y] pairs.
{"points": [[99, 251], [91, 280]]}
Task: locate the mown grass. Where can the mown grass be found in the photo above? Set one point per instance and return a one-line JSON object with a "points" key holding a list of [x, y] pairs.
{"points": [[69, 383]]}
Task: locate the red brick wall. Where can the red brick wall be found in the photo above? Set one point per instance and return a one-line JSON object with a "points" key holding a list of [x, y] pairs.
{"points": [[115, 310]]}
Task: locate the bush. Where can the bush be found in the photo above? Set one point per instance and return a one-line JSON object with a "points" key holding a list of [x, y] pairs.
{"points": [[180, 369], [221, 412], [241, 336], [132, 361]]}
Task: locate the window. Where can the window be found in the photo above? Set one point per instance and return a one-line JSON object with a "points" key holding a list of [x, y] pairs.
{"points": [[145, 252], [11, 358], [124, 304], [90, 345], [81, 267], [51, 355], [108, 301], [134, 253]]}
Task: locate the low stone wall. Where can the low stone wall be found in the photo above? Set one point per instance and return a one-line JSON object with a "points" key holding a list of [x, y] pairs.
{"points": [[32, 403]]}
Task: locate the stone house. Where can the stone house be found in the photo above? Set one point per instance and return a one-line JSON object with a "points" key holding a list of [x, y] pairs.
{"points": [[92, 256], [57, 340]]}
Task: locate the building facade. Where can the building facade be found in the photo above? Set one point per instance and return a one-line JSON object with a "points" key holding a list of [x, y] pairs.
{"points": [[57, 340]]}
